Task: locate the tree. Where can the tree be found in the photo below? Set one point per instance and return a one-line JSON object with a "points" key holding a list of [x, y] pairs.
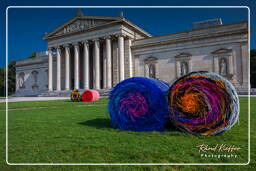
{"points": [[2, 82], [33, 55], [253, 68], [11, 79]]}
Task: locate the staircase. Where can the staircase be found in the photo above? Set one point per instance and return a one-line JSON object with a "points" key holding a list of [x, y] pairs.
{"points": [[66, 93]]}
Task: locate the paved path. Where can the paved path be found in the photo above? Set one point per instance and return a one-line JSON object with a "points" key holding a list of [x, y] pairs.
{"points": [[23, 99]]}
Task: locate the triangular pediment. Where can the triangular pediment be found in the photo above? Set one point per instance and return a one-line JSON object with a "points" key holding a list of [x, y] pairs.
{"points": [[80, 24]]}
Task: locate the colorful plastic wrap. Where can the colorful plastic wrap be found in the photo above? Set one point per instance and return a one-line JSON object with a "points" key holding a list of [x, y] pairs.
{"points": [[90, 95], [203, 103], [75, 96], [139, 104]]}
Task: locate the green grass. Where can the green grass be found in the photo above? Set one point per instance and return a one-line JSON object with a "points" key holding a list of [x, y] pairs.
{"points": [[66, 132]]}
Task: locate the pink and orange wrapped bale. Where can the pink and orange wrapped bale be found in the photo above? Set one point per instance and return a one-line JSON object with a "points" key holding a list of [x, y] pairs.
{"points": [[90, 96]]}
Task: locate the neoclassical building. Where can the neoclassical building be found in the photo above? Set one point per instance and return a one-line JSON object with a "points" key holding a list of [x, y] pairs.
{"points": [[94, 52]]}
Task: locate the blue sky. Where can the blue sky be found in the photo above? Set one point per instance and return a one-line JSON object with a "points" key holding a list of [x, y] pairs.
{"points": [[27, 25]]}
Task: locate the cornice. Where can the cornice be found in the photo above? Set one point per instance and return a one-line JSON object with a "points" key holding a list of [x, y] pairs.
{"points": [[187, 39]]}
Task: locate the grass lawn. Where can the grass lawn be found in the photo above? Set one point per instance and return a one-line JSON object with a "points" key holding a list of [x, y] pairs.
{"points": [[67, 132]]}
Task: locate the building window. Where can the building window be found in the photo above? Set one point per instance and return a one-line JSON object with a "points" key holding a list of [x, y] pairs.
{"points": [[183, 64], [150, 65], [21, 80]]}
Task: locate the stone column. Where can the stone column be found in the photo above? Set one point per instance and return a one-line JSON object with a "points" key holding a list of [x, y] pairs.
{"points": [[104, 67], [67, 66], [130, 58], [146, 69], [245, 66], [97, 64], [137, 70], [121, 56], [108, 63], [178, 69], [230, 64], [50, 61], [86, 65], [237, 61], [17, 82], [216, 64], [58, 69], [76, 67]]}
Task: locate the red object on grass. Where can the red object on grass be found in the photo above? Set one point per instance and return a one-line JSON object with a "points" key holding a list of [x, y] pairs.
{"points": [[90, 95]]}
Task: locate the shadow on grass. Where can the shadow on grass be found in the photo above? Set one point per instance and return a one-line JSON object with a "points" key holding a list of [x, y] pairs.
{"points": [[97, 123], [101, 123]]}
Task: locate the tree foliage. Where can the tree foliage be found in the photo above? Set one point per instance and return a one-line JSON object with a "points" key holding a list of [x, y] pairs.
{"points": [[33, 55], [253, 68], [11, 79]]}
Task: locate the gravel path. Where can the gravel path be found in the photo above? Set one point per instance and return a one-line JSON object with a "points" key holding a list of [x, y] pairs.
{"points": [[23, 99]]}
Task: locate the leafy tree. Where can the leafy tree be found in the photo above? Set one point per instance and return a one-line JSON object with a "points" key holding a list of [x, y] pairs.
{"points": [[2, 81], [11, 79], [253, 68], [33, 55]]}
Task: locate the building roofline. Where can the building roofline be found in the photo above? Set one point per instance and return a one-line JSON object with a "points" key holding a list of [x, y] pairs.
{"points": [[188, 31], [137, 27], [111, 18], [76, 18]]}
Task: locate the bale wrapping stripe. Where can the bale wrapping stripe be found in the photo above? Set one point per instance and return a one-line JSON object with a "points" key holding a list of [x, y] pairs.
{"points": [[75, 96], [203, 103], [90, 95], [139, 104]]}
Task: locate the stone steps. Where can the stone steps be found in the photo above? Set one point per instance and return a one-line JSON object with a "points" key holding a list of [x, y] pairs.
{"points": [[66, 93]]}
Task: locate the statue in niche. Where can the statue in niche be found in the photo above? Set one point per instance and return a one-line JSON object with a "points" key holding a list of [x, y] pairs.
{"points": [[184, 68], [34, 73], [46, 71], [35, 86], [223, 67], [152, 71], [21, 80]]}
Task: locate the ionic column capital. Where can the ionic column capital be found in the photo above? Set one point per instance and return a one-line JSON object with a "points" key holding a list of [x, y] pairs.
{"points": [[85, 41], [58, 47], [108, 37], [76, 43], [120, 35], [96, 40], [50, 48], [66, 45]]}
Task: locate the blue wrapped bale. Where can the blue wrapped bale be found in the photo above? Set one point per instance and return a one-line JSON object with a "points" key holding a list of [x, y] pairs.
{"points": [[139, 104]]}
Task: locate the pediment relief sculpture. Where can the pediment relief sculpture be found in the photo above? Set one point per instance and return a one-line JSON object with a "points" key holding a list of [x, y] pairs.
{"points": [[80, 25]]}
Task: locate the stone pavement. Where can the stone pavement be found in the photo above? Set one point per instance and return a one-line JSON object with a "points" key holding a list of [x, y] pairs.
{"points": [[23, 99]]}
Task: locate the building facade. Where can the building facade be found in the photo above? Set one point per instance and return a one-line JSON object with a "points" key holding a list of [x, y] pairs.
{"points": [[92, 52]]}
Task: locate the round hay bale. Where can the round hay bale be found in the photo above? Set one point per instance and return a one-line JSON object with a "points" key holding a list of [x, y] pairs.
{"points": [[139, 104], [90, 96], [75, 96], [203, 103]]}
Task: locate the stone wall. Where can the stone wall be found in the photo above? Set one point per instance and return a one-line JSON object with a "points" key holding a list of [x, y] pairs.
{"points": [[31, 68], [167, 49]]}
